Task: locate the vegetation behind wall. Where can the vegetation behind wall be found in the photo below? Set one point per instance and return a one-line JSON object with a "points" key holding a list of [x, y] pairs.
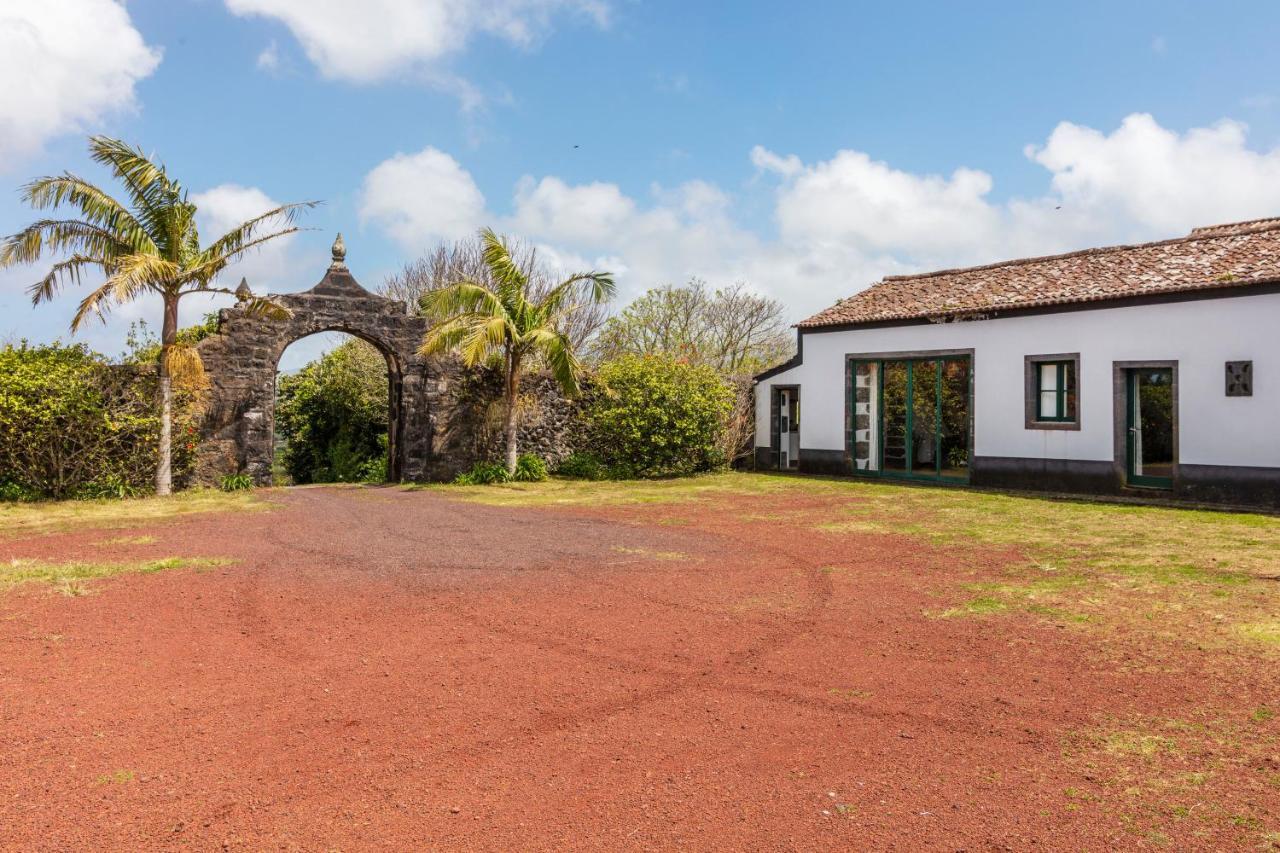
{"points": [[332, 417]]}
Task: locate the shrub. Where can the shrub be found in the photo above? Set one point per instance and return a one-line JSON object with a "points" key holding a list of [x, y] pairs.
{"points": [[237, 482], [530, 469], [657, 416], [332, 417], [72, 425], [484, 474], [583, 466]]}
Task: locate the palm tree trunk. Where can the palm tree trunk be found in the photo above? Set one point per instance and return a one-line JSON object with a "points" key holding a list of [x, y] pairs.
{"points": [[513, 393], [168, 337]]}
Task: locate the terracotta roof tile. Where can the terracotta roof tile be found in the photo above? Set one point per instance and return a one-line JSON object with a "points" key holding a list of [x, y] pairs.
{"points": [[1229, 255]]}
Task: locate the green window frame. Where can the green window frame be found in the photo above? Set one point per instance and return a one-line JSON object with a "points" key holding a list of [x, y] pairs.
{"points": [[1056, 391], [914, 362]]}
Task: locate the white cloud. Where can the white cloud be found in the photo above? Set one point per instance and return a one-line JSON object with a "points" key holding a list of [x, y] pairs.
{"points": [[269, 58], [271, 268], [1143, 179], [66, 66], [844, 222], [378, 39], [423, 197]]}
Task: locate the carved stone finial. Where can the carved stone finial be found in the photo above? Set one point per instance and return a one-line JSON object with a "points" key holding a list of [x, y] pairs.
{"points": [[339, 254], [243, 293]]}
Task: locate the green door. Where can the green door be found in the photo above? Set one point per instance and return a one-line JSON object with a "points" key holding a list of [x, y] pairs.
{"points": [[924, 418], [1150, 439]]}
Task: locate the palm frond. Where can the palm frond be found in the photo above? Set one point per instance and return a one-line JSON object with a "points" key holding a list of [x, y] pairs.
{"points": [[97, 304], [57, 236], [265, 306], [238, 238], [600, 288], [486, 337], [462, 298], [146, 181], [61, 272], [450, 334], [95, 205], [557, 351], [204, 268], [135, 274], [511, 281]]}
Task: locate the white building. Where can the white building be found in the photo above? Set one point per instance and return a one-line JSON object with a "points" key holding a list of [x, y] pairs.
{"points": [[1149, 370]]}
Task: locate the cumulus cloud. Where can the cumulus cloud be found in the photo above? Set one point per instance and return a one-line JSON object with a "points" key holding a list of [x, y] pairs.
{"points": [[66, 66], [417, 198], [378, 39], [844, 222], [271, 268], [1149, 179]]}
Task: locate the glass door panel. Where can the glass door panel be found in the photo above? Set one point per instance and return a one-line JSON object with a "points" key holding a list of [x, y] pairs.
{"points": [[954, 452], [924, 418], [894, 392], [1150, 422]]}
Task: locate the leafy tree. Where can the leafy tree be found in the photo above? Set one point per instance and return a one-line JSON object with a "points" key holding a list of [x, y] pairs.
{"points": [[463, 260], [148, 244], [658, 416], [731, 330], [503, 317], [332, 415]]}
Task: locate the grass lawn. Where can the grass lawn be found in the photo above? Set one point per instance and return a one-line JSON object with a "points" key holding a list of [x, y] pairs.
{"points": [[33, 519], [784, 661]]}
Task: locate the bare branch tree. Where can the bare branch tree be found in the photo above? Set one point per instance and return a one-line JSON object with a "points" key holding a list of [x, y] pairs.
{"points": [[463, 260]]}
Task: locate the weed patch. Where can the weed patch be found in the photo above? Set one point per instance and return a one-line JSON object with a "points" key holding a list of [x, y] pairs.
{"points": [[71, 578]]}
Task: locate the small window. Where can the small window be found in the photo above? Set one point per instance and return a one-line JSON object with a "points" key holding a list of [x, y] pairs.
{"points": [[1053, 391], [1057, 401]]}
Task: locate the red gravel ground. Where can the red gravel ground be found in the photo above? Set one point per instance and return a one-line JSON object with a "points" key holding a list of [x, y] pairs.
{"points": [[382, 669]]}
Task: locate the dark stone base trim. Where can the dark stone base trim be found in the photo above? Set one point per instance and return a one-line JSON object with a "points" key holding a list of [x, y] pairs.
{"points": [[1220, 485], [1045, 475], [1229, 484], [824, 462]]}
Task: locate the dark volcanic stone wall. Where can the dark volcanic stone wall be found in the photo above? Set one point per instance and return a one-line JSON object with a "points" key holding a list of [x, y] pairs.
{"points": [[443, 417]]}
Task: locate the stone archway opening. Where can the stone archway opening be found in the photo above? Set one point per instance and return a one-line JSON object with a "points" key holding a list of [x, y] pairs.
{"points": [[334, 411], [242, 359]]}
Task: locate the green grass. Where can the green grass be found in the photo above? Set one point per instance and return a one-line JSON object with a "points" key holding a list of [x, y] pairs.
{"points": [[71, 578], [18, 520], [1186, 573], [560, 492]]}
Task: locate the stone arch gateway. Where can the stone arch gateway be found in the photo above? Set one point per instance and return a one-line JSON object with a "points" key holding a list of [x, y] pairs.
{"points": [[241, 361]]}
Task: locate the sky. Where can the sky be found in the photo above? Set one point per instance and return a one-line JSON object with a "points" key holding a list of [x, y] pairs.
{"points": [[806, 149]]}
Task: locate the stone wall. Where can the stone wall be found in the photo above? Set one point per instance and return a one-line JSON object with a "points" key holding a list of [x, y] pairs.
{"points": [[469, 419], [443, 416]]}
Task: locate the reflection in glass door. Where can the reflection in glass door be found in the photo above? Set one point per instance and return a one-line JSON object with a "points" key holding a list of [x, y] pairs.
{"points": [[923, 414], [894, 394], [1150, 437], [953, 454], [924, 418]]}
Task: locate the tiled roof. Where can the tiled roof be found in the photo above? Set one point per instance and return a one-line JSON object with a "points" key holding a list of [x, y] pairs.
{"points": [[1231, 255]]}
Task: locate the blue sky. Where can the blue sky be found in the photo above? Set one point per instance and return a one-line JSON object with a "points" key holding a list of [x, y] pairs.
{"points": [[808, 149]]}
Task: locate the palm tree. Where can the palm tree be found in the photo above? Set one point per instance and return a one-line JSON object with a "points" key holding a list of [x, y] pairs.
{"points": [[506, 318], [150, 245]]}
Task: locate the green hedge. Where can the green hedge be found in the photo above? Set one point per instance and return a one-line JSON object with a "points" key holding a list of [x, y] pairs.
{"points": [[74, 426]]}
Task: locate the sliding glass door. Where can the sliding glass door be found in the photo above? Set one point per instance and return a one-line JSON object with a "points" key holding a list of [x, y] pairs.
{"points": [[919, 416]]}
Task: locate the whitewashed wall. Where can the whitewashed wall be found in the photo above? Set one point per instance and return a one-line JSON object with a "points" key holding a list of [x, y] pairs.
{"points": [[1201, 336]]}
